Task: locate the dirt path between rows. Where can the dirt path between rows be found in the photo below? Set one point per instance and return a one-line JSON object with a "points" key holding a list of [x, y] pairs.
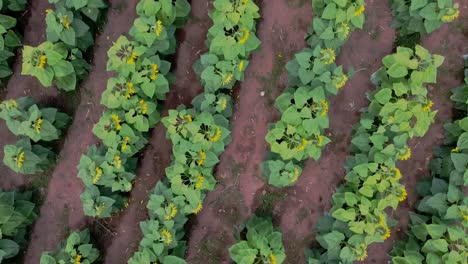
{"points": [[281, 30], [126, 235], [62, 209], [18, 86], [450, 42]]}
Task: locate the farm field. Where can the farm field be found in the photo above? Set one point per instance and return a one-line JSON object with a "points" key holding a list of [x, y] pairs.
{"points": [[198, 202]]}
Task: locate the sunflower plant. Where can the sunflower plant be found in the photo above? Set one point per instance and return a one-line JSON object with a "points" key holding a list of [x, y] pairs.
{"points": [[89, 8], [18, 212], [115, 133], [125, 56], [101, 202], [156, 35], [64, 26], [24, 118], [52, 63], [77, 248], [261, 243], [280, 173], [216, 73], [422, 16], [337, 20], [214, 103], [108, 168], [26, 158]]}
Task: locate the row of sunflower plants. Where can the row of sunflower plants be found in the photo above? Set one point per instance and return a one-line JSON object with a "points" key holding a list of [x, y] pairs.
{"points": [[258, 242], [200, 134], [313, 78], [78, 248], [133, 100], [16, 215], [399, 110], [10, 36], [62, 59], [419, 17], [36, 127], [439, 226]]}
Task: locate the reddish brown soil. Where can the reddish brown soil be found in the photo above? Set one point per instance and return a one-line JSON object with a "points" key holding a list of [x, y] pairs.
{"points": [[62, 209], [157, 156]]}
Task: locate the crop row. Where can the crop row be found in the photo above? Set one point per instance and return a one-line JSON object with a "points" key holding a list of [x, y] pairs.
{"points": [[200, 134], [399, 110], [133, 101], [313, 78], [10, 39], [70, 34], [438, 228]]}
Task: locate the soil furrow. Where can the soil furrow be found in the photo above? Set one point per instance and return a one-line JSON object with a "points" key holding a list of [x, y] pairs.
{"points": [[281, 30], [126, 234], [450, 42], [62, 209]]}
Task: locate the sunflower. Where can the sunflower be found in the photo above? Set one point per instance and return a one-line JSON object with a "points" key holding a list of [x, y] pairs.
{"points": [[167, 237], [130, 90], [198, 209], [360, 10], [396, 173], [324, 105], [20, 159], [118, 162], [132, 58], [363, 254], [228, 79], [202, 159], [403, 194], [245, 36], [328, 56], [38, 124], [159, 28], [295, 175], [65, 22], [272, 258], [200, 180], [303, 145], [42, 61], [97, 175], [117, 121], [172, 212], [428, 106], [125, 143], [319, 139], [144, 107], [341, 81], [407, 154], [78, 259], [154, 72], [241, 66], [449, 18], [345, 29], [217, 135]]}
